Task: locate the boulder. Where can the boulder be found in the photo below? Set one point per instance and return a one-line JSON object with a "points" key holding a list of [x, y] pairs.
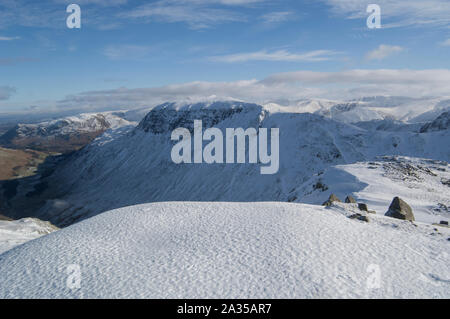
{"points": [[363, 207], [400, 209], [350, 200], [333, 198]]}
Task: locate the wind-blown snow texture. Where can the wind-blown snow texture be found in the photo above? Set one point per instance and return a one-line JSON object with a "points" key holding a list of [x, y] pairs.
{"points": [[231, 250], [124, 168]]}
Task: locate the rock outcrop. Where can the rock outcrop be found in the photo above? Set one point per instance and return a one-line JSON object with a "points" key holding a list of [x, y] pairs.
{"points": [[333, 198], [350, 200], [363, 207], [400, 209]]}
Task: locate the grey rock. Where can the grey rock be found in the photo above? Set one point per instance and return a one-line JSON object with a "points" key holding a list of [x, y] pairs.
{"points": [[363, 207], [360, 217], [399, 209], [5, 218], [350, 200], [333, 198]]}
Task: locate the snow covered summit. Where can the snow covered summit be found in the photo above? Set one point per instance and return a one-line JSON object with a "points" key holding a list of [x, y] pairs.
{"points": [[231, 250]]}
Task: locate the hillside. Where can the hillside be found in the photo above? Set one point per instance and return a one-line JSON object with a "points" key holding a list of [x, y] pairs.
{"points": [[232, 250], [61, 135], [133, 166]]}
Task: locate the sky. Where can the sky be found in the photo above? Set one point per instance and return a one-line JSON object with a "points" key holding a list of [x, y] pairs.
{"points": [[131, 53]]}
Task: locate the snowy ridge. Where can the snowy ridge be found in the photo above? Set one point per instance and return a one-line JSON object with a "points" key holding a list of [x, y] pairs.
{"points": [[232, 250], [62, 134], [17, 232], [402, 109], [134, 167]]}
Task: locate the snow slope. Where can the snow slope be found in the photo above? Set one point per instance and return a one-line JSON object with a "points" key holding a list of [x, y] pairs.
{"points": [[232, 250], [423, 184], [17, 232], [134, 167]]}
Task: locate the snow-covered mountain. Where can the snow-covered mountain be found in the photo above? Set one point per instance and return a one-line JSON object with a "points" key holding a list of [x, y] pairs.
{"points": [[442, 123], [232, 250], [64, 134], [133, 165], [16, 232], [405, 110]]}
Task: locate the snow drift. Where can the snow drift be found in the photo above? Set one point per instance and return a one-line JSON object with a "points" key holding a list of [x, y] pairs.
{"points": [[232, 250]]}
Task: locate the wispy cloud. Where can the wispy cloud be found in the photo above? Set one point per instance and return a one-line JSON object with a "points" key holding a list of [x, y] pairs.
{"points": [[6, 92], [9, 38], [383, 51], [277, 17], [292, 85], [397, 13], [104, 3], [127, 51], [197, 14], [445, 43], [280, 55]]}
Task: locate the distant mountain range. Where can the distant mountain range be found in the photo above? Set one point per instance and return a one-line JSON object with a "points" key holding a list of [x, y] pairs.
{"points": [[61, 135], [130, 165]]}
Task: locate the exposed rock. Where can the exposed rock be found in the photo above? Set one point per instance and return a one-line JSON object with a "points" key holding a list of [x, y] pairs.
{"points": [[292, 199], [445, 181], [360, 217], [333, 198], [363, 207], [5, 218], [372, 212], [400, 209], [440, 124], [321, 186], [350, 200]]}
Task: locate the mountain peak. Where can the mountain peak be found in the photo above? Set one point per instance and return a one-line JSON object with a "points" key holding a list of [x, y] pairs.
{"points": [[168, 116]]}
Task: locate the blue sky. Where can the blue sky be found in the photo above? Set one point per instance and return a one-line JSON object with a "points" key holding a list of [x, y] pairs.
{"points": [[131, 53]]}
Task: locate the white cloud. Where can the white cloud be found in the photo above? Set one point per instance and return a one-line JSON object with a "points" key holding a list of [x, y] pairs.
{"points": [[277, 17], [383, 51], [104, 3], [6, 92], [129, 52], [445, 43], [292, 85], [280, 55], [198, 14], [9, 38], [397, 13]]}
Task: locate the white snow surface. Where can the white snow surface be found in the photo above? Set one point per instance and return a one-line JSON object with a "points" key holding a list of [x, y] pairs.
{"points": [[232, 250], [419, 182], [404, 109], [17, 232]]}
